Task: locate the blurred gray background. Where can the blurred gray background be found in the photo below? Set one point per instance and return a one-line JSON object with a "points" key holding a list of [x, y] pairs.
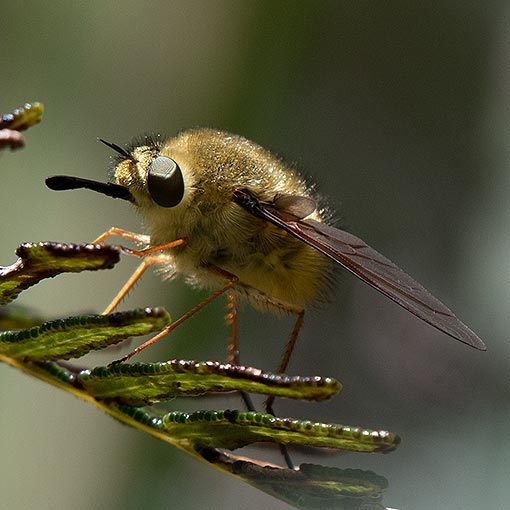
{"points": [[399, 111]]}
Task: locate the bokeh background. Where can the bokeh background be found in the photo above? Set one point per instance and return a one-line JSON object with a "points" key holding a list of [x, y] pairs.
{"points": [[398, 109]]}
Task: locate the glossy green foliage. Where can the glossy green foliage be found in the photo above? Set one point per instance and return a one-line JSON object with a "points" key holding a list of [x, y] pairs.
{"points": [[234, 429], [76, 336], [141, 383], [18, 120], [311, 486], [46, 260]]}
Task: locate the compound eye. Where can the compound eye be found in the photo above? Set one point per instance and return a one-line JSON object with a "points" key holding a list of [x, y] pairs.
{"points": [[165, 182]]}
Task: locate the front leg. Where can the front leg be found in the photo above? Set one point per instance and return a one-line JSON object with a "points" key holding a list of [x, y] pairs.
{"points": [[139, 239], [142, 240]]}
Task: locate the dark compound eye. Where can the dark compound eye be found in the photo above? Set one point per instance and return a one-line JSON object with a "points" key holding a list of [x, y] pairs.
{"points": [[165, 182]]}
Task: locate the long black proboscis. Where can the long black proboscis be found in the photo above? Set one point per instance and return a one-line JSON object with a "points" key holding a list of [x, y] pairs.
{"points": [[67, 182]]}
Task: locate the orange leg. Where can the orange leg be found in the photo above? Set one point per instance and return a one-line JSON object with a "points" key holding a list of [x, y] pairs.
{"points": [[127, 287], [231, 320], [233, 346], [125, 234], [291, 342], [138, 239], [299, 312]]}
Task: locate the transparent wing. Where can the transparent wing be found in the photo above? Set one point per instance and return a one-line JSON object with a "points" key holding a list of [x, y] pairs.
{"points": [[367, 264]]}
